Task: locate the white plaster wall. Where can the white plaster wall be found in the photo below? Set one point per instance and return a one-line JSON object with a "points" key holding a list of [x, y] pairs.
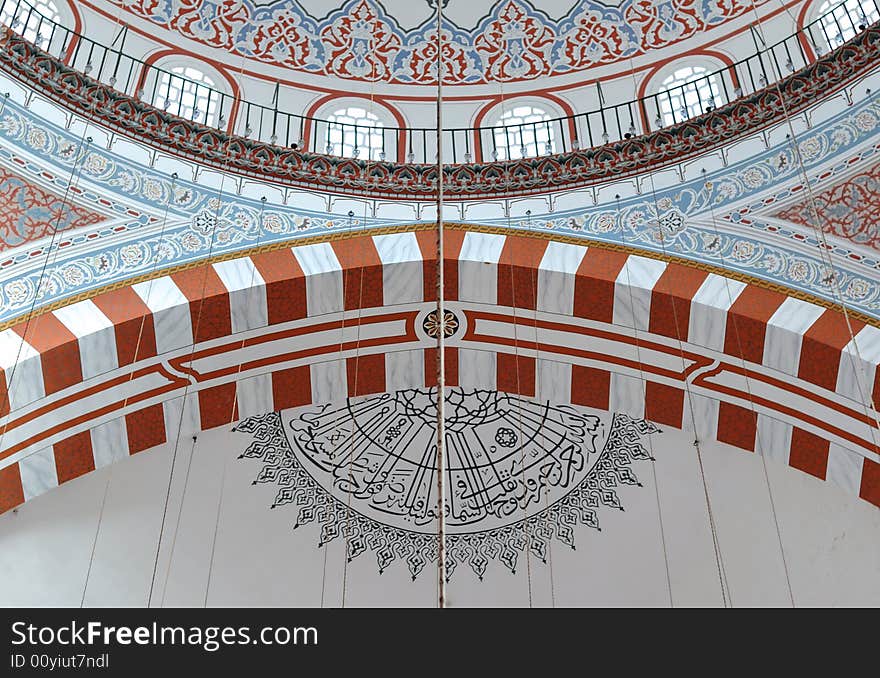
{"points": [[830, 541]]}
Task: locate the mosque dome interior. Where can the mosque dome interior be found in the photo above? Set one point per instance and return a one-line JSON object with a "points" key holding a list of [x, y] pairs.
{"points": [[533, 303]]}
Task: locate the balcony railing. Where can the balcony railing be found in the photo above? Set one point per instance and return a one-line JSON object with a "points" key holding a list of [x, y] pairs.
{"points": [[196, 101]]}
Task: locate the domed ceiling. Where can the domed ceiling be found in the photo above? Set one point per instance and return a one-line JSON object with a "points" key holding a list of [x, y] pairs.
{"points": [[392, 41], [611, 315]]}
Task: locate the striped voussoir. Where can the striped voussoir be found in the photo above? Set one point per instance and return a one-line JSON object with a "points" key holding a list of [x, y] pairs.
{"points": [[107, 377]]}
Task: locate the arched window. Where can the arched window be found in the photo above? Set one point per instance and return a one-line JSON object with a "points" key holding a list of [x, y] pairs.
{"points": [[523, 131], [841, 21], [188, 92], [355, 132], [32, 20], [688, 92]]}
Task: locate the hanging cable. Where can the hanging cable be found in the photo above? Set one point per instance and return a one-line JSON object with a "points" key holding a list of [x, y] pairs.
{"points": [[192, 452], [95, 539], [131, 373], [527, 550], [361, 269], [644, 383], [548, 525], [195, 334], [760, 445], [441, 332], [825, 254], [233, 409], [865, 391], [522, 452], [719, 560], [644, 396], [51, 255], [73, 179], [713, 528]]}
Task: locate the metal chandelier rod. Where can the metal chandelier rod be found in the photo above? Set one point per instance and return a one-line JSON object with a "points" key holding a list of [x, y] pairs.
{"points": [[441, 332]]}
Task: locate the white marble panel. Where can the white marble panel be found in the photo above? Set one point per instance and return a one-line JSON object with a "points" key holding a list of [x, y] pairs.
{"points": [[109, 442], [858, 365], [402, 268], [323, 278], [329, 381], [404, 369], [172, 319], [845, 468], [95, 335], [627, 394], [477, 267], [773, 438], [553, 381], [556, 276], [182, 422], [785, 333], [247, 293], [476, 369], [633, 289], [38, 473], [22, 369], [705, 413], [255, 396], [708, 317]]}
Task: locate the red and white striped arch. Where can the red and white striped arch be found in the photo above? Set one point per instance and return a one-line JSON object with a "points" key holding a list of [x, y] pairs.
{"points": [[107, 376]]}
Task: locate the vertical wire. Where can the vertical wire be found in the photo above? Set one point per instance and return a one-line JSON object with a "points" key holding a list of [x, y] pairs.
{"points": [[216, 526], [360, 304], [760, 444], [719, 560], [354, 424], [192, 452], [95, 540], [51, 254], [137, 348], [522, 452], [72, 178], [507, 160], [233, 410], [533, 279], [195, 332], [348, 413], [644, 393], [865, 392], [725, 596], [441, 332], [342, 415]]}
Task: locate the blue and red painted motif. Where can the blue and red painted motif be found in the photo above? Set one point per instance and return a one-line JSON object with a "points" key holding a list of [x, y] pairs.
{"points": [[29, 212], [514, 42]]}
